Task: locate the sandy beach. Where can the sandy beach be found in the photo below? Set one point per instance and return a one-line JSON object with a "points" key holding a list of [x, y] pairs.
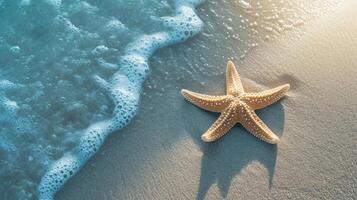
{"points": [[160, 154]]}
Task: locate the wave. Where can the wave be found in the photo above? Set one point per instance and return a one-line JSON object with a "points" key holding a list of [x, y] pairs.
{"points": [[124, 88]]}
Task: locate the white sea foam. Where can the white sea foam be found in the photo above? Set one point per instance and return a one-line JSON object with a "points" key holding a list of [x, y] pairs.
{"points": [[124, 89]]}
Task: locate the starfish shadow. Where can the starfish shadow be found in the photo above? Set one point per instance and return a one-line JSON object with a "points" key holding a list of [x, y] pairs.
{"points": [[224, 159]]}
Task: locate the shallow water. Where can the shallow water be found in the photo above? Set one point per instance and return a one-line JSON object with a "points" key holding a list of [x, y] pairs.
{"points": [[53, 52]]}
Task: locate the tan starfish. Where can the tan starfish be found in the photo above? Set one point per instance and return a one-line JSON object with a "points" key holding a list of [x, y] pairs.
{"points": [[237, 106]]}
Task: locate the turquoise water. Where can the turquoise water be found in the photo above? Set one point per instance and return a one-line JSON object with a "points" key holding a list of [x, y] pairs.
{"points": [[71, 72]]}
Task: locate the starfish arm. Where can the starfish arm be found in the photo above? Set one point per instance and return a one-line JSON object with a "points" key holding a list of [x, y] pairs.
{"points": [[256, 126], [262, 99], [233, 82], [222, 125], [207, 102]]}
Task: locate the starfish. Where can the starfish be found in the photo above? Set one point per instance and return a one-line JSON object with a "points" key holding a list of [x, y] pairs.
{"points": [[237, 106]]}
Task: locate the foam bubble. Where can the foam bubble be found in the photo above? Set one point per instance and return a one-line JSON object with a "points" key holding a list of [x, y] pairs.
{"points": [[99, 50], [115, 26], [8, 107]]}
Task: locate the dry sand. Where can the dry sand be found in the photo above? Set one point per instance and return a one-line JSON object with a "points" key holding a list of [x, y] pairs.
{"points": [[160, 155]]}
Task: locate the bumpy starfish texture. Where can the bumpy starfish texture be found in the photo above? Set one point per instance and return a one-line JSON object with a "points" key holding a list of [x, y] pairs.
{"points": [[237, 106]]}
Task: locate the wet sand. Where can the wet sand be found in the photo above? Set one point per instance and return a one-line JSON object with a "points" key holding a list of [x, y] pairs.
{"points": [[160, 154]]}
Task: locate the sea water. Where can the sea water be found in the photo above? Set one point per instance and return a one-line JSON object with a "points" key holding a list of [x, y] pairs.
{"points": [[71, 73]]}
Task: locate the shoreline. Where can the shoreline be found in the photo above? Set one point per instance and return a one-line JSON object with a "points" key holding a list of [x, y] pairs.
{"points": [[160, 155]]}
